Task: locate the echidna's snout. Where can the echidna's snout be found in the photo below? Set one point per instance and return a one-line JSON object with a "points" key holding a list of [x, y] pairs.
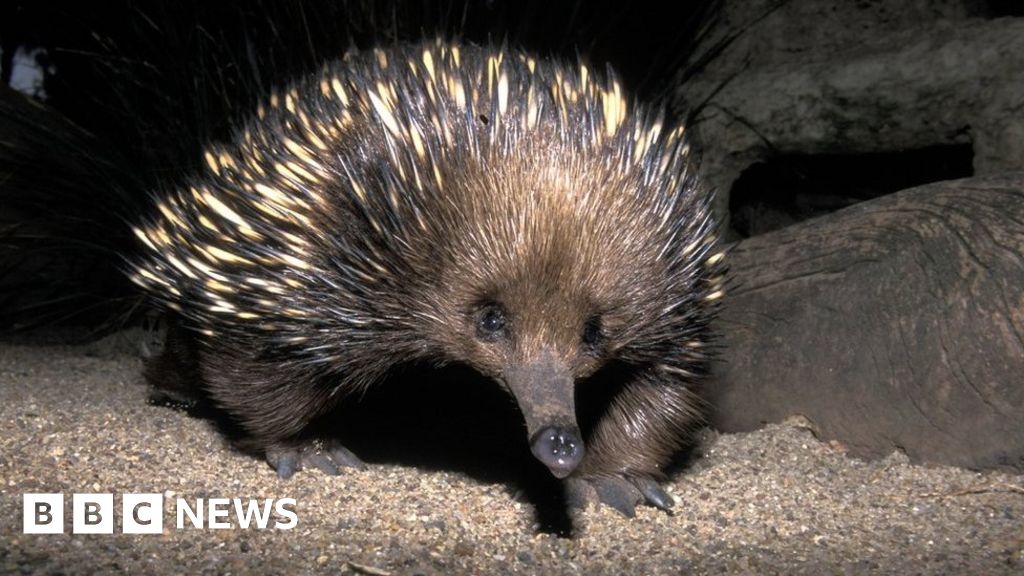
{"points": [[545, 391], [560, 449]]}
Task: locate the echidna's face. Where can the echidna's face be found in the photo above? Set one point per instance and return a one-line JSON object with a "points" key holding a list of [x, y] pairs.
{"points": [[542, 288], [539, 337]]}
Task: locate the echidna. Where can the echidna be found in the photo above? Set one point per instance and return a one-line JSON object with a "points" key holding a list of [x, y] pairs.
{"points": [[447, 203]]}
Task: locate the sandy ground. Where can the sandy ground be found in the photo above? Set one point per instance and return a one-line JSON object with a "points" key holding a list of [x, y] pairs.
{"points": [[75, 419]]}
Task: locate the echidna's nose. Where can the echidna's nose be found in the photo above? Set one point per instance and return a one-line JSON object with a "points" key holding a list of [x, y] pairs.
{"points": [[560, 449]]}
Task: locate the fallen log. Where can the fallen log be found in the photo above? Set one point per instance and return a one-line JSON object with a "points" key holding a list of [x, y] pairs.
{"points": [[895, 324]]}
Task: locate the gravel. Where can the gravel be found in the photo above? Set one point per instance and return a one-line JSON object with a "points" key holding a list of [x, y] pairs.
{"points": [[75, 419]]}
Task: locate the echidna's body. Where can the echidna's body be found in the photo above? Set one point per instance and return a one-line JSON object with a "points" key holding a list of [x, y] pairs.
{"points": [[448, 203]]}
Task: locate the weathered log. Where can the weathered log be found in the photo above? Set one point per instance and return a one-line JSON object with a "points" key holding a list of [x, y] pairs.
{"points": [[893, 324]]}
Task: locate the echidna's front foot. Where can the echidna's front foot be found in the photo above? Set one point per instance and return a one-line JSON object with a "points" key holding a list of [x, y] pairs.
{"points": [[620, 492], [329, 456]]}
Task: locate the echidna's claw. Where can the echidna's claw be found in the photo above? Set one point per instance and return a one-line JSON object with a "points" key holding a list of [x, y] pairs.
{"points": [[621, 493], [329, 457]]}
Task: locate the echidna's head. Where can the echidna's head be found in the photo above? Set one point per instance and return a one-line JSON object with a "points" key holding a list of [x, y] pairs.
{"points": [[553, 262]]}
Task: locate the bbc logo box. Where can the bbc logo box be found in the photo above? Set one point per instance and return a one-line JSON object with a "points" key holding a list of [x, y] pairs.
{"points": [[43, 514], [93, 513]]}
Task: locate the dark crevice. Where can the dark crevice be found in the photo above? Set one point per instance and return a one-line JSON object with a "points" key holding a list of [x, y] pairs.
{"points": [[791, 188], [1002, 8]]}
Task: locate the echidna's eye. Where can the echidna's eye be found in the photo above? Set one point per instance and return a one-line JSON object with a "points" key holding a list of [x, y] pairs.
{"points": [[592, 331], [490, 323]]}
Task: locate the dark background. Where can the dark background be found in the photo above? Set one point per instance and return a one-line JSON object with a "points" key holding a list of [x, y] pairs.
{"points": [[134, 90]]}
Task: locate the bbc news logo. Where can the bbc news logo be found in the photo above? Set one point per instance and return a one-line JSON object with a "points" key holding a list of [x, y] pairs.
{"points": [[144, 513]]}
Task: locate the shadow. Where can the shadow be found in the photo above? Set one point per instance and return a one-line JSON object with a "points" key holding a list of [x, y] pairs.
{"points": [[449, 418], [454, 419]]}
